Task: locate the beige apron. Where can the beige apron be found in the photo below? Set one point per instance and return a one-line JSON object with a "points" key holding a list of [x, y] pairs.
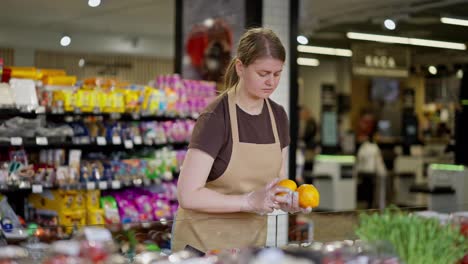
{"points": [[251, 167]]}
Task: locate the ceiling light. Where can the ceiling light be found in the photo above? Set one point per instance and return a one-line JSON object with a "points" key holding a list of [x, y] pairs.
{"points": [[65, 41], [407, 41], [209, 22], [454, 21], [302, 40], [308, 62], [325, 51], [94, 3], [460, 74], [389, 24], [81, 63], [432, 70]]}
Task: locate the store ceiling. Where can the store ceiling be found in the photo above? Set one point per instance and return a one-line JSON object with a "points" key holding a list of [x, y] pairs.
{"points": [[325, 22], [144, 18], [415, 19]]}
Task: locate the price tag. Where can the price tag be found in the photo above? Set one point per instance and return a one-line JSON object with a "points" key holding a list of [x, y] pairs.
{"points": [[148, 141], [115, 116], [101, 141], [137, 140], [103, 185], [42, 141], [135, 116], [16, 141], [147, 182], [116, 140], [90, 186], [37, 188], [128, 144], [115, 184], [137, 182], [97, 234]]}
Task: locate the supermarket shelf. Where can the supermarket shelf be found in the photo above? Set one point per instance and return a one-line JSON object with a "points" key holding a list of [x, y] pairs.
{"points": [[9, 112], [87, 143], [26, 187]]}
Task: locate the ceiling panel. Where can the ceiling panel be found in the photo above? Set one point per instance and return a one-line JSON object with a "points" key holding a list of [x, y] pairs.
{"points": [[135, 17]]}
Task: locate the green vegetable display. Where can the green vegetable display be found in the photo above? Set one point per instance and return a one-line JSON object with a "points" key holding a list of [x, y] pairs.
{"points": [[416, 239]]}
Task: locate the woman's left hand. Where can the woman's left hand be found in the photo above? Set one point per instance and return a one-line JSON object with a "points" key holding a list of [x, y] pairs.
{"points": [[289, 202]]}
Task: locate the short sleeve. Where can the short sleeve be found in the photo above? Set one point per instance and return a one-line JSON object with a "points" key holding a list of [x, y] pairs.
{"points": [[208, 134], [283, 128]]}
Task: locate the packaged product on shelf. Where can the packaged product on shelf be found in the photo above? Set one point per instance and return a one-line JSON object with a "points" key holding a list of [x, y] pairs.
{"points": [[132, 99], [59, 80], [111, 211], [24, 72], [6, 96], [24, 93]]}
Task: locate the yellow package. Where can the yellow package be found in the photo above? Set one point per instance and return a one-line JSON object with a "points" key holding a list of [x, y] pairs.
{"points": [[69, 100], [24, 72], [71, 219], [95, 217], [90, 100], [92, 199], [60, 80], [78, 99], [152, 100], [118, 102], [54, 200], [43, 73], [131, 100], [105, 102], [79, 201]]}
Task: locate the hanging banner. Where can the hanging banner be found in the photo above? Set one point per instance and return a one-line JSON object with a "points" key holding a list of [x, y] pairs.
{"points": [[384, 60]]}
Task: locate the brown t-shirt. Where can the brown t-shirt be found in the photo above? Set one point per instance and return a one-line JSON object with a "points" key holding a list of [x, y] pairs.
{"points": [[212, 132]]}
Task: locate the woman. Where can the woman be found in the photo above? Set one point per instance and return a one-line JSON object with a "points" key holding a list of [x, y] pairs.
{"points": [[237, 154]]}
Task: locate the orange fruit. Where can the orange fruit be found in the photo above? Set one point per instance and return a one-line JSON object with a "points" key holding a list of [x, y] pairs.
{"points": [[286, 183], [308, 196]]}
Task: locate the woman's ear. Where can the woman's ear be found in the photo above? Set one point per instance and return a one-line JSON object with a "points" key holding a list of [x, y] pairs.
{"points": [[239, 68]]}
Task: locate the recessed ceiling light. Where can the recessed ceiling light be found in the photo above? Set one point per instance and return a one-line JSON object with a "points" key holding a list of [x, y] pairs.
{"points": [[94, 3], [209, 22], [302, 40], [454, 21], [308, 61], [432, 70], [65, 41], [407, 41], [81, 63], [325, 50], [389, 24]]}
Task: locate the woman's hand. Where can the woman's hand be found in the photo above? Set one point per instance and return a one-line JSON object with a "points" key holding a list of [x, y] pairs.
{"points": [[264, 200], [289, 203]]}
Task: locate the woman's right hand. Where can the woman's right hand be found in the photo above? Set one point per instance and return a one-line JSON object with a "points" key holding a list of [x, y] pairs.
{"points": [[264, 200]]}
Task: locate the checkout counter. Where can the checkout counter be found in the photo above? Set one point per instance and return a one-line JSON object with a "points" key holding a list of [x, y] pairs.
{"points": [[333, 175], [446, 188], [411, 170]]}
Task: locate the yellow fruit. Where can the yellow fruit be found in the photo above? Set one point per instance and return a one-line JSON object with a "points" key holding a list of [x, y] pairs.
{"points": [[289, 184], [308, 196]]}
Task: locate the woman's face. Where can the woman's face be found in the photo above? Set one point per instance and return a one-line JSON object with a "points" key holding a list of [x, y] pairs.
{"points": [[260, 78]]}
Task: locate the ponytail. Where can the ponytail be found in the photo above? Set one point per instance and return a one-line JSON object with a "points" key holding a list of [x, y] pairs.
{"points": [[230, 76]]}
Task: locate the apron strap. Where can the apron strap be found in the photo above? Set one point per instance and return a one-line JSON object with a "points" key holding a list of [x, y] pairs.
{"points": [[233, 117], [273, 122]]}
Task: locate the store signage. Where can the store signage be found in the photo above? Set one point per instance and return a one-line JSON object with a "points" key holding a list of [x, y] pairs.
{"points": [[380, 60]]}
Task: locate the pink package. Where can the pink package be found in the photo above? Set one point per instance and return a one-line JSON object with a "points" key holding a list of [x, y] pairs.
{"points": [[144, 207]]}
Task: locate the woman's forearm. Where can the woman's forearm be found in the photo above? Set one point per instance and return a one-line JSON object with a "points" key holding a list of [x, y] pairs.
{"points": [[209, 201]]}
